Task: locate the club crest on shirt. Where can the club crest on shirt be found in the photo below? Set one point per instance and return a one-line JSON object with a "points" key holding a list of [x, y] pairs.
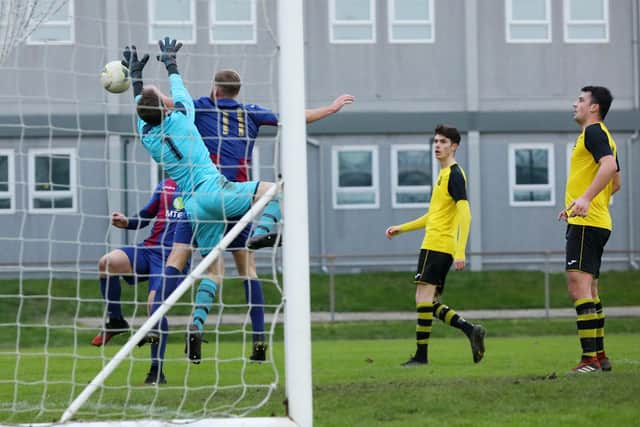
{"points": [[178, 203]]}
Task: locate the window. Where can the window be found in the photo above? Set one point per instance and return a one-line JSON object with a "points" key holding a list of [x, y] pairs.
{"points": [[528, 21], [58, 28], [7, 182], [411, 21], [586, 21], [412, 173], [531, 175], [352, 21], [52, 180], [232, 22], [173, 18], [355, 177]]}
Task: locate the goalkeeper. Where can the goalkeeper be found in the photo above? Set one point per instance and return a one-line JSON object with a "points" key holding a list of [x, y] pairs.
{"points": [[229, 130], [173, 141], [146, 261], [446, 226]]}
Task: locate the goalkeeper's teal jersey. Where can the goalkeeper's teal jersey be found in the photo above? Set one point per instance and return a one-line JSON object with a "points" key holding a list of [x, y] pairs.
{"points": [[176, 144]]}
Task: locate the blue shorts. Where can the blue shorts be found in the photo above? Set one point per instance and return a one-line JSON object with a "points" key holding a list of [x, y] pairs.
{"points": [[210, 206], [147, 264]]}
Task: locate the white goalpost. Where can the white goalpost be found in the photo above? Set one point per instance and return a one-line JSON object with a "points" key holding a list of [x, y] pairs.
{"points": [[66, 163]]}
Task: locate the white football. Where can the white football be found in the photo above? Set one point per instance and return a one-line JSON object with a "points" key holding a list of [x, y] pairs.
{"points": [[115, 77]]}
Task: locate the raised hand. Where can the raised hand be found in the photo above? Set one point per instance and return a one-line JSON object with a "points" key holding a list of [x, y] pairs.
{"points": [[341, 101], [131, 61], [168, 50]]}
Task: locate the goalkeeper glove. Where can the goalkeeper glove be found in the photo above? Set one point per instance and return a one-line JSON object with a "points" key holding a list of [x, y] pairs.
{"points": [[168, 50], [135, 66]]}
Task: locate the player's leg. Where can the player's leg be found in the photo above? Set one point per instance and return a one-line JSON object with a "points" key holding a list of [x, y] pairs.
{"points": [[580, 274], [265, 233], [425, 293], [111, 266], [117, 263], [178, 262], [605, 363], [246, 264], [601, 236], [205, 297], [158, 336], [474, 332]]}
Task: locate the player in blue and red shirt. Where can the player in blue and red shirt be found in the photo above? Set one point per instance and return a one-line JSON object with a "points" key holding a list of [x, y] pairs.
{"points": [[229, 130], [145, 261]]}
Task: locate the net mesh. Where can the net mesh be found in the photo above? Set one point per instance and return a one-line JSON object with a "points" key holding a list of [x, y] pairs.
{"points": [[69, 157]]}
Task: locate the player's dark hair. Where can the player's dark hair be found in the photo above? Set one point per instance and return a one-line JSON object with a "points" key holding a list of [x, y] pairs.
{"points": [[150, 108], [601, 96], [448, 132], [228, 81]]}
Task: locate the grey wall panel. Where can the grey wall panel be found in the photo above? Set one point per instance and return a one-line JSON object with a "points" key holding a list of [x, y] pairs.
{"points": [[527, 76], [384, 76]]}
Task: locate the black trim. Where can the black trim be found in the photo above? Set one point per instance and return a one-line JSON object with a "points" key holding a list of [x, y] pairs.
{"points": [[172, 147]]}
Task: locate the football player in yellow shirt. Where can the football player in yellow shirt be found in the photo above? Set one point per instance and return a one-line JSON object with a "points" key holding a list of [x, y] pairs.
{"points": [[446, 226], [594, 175]]}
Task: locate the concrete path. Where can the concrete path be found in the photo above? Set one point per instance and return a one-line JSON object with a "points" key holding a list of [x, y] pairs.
{"points": [[319, 317]]}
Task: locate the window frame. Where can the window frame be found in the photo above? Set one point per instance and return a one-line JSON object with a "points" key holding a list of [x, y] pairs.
{"points": [[566, 8], [396, 188], [392, 21], [47, 23], [551, 185], [333, 22], [253, 23], [375, 178], [72, 193], [151, 22], [509, 22], [11, 181]]}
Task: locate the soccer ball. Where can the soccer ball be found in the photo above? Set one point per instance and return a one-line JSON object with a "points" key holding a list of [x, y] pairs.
{"points": [[115, 77]]}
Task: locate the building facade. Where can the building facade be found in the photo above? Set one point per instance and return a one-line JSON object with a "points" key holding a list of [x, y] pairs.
{"points": [[505, 72]]}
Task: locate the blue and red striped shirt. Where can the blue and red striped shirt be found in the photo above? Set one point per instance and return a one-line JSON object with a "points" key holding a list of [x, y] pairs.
{"points": [[167, 207], [229, 130]]}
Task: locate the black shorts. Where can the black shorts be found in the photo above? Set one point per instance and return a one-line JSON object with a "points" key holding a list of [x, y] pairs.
{"points": [[433, 267], [585, 245]]}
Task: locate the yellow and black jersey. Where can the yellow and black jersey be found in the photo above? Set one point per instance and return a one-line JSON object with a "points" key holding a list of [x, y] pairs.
{"points": [[594, 142], [445, 216]]}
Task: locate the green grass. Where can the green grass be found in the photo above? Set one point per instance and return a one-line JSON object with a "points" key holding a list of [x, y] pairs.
{"points": [[58, 301], [358, 382], [356, 374]]}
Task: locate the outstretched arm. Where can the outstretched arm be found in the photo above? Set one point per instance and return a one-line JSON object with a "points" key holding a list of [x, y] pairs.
{"points": [[182, 101], [135, 67], [316, 114], [416, 224]]}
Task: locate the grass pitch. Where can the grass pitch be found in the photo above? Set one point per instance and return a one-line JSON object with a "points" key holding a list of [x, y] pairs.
{"points": [[523, 380]]}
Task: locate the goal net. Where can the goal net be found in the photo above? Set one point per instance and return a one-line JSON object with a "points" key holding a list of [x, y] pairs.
{"points": [[70, 156]]}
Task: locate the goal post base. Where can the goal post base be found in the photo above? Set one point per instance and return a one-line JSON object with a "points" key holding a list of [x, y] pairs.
{"points": [[204, 422]]}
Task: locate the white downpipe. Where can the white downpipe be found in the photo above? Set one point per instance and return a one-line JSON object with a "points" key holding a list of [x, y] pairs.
{"points": [[295, 250], [636, 105]]}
